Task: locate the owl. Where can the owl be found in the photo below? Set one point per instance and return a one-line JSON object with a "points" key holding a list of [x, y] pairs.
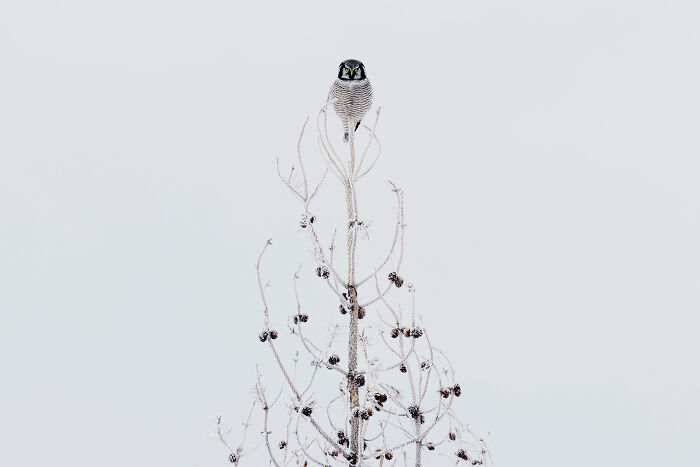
{"points": [[351, 94]]}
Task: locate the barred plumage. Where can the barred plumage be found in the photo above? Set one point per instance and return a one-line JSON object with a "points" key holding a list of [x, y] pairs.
{"points": [[351, 94]]}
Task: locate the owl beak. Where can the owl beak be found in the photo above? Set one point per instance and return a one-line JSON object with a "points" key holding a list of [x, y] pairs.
{"points": [[352, 73]]}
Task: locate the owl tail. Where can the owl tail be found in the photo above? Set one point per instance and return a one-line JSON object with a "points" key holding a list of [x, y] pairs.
{"points": [[347, 133]]}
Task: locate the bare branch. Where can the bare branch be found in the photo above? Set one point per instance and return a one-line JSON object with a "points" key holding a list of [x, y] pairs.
{"points": [[377, 414]]}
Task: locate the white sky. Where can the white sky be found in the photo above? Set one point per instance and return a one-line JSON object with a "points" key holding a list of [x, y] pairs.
{"points": [[550, 157]]}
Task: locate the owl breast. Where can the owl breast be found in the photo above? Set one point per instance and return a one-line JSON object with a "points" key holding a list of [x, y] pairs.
{"points": [[352, 99]]}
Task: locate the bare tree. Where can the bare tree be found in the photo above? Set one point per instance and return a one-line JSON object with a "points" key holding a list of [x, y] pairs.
{"points": [[394, 403]]}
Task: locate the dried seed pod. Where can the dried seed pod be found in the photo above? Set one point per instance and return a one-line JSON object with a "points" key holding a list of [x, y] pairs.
{"points": [[403, 368], [395, 333], [334, 453], [416, 332], [457, 390], [453, 436], [283, 444], [263, 336], [406, 332], [233, 458], [360, 380], [352, 458], [273, 334], [343, 311], [462, 454], [445, 393], [425, 365], [430, 446], [322, 271], [380, 398], [364, 415], [395, 279], [334, 359], [301, 318], [360, 312], [413, 410], [307, 411], [388, 456]]}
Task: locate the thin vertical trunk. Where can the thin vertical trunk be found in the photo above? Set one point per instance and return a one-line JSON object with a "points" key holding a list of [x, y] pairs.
{"points": [[350, 200], [352, 369], [419, 445]]}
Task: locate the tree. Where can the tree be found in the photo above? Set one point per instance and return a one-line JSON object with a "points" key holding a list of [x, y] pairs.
{"points": [[394, 403]]}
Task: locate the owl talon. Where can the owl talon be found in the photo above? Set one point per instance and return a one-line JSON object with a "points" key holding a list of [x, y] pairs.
{"points": [[345, 138]]}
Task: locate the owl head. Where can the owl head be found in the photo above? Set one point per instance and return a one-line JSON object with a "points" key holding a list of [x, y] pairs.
{"points": [[351, 70]]}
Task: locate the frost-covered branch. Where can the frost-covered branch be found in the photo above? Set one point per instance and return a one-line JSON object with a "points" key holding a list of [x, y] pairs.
{"points": [[393, 396]]}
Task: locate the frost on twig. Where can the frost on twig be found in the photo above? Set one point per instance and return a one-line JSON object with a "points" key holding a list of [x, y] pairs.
{"points": [[390, 397]]}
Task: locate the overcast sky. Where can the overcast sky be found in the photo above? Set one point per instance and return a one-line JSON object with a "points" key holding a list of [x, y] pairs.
{"points": [[550, 160]]}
